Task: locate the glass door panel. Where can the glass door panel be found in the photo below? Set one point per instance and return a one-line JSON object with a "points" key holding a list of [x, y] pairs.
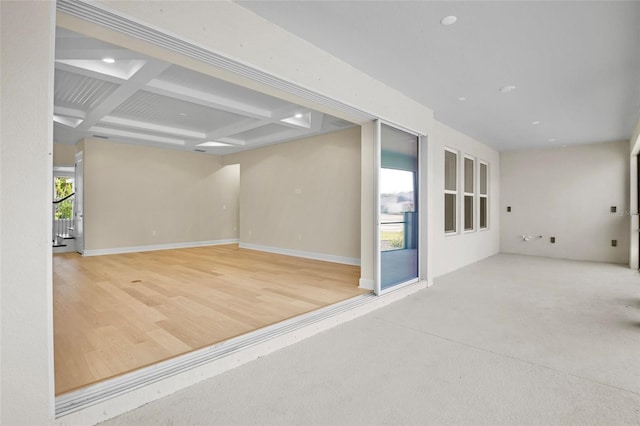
{"points": [[398, 200]]}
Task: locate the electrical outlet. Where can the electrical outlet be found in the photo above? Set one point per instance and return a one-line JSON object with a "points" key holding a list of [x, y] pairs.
{"points": [[552, 240], [614, 243], [614, 209], [509, 209]]}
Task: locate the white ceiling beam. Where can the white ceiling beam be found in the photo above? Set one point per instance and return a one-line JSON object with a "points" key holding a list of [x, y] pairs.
{"points": [[232, 141], [235, 128], [284, 134], [225, 133], [135, 135], [199, 97], [144, 125], [69, 112], [88, 73], [147, 73], [122, 70], [98, 54], [67, 121]]}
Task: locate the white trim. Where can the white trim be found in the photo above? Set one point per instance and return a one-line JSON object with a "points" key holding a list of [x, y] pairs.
{"points": [[110, 398], [466, 194], [397, 287], [155, 247], [481, 195], [456, 192], [377, 166], [378, 221], [304, 254], [366, 283]]}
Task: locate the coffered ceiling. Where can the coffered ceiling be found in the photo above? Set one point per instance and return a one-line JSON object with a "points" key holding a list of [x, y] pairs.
{"points": [[108, 92]]}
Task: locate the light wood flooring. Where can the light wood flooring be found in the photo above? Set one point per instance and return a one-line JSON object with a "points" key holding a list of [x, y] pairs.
{"points": [[114, 314]]}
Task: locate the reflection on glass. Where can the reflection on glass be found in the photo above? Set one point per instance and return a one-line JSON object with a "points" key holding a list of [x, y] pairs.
{"points": [[468, 175], [483, 212], [449, 212], [468, 213], [450, 171], [483, 179]]}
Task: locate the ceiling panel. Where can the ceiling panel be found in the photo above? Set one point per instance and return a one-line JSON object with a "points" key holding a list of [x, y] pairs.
{"points": [[160, 109], [80, 92]]}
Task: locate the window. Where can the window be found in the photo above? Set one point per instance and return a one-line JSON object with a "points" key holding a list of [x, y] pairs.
{"points": [[450, 191], [469, 193], [484, 195]]}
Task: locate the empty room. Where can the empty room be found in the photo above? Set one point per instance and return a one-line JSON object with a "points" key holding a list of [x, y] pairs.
{"points": [[212, 172], [244, 212]]}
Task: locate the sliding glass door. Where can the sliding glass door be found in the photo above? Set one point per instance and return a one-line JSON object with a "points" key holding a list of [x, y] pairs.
{"points": [[398, 177]]}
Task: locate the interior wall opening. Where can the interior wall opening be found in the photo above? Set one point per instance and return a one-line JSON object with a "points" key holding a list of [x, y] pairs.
{"points": [[210, 210]]}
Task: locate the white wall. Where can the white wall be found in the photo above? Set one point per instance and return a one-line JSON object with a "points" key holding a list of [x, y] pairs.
{"points": [[64, 154], [567, 193], [303, 195], [452, 251], [25, 197], [136, 196]]}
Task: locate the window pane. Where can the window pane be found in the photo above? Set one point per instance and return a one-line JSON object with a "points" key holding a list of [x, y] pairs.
{"points": [[468, 175], [483, 212], [450, 171], [468, 212], [449, 213], [483, 179]]}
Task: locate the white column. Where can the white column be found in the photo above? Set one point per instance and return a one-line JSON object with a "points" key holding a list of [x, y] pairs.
{"points": [[26, 355]]}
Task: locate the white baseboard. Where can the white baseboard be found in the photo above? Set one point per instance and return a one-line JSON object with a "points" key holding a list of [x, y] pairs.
{"points": [[155, 247], [304, 254]]}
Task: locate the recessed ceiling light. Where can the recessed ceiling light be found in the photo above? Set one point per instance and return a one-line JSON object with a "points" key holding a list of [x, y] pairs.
{"points": [[506, 89], [298, 115], [552, 140], [462, 99], [535, 123], [182, 114], [448, 20], [108, 60]]}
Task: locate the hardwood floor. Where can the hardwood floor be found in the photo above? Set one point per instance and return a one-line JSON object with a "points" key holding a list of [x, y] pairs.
{"points": [[114, 314]]}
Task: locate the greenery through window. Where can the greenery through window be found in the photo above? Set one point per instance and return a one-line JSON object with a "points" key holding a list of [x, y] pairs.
{"points": [[63, 187]]}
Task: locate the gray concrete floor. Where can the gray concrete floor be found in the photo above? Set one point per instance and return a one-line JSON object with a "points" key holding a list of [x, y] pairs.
{"points": [[509, 340]]}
